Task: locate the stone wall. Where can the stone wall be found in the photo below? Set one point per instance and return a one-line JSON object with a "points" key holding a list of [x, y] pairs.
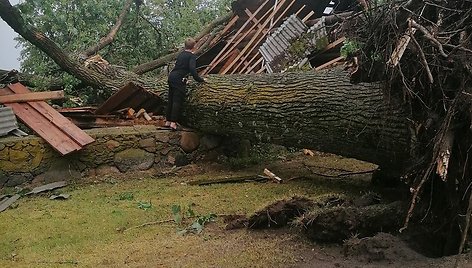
{"points": [[115, 150]]}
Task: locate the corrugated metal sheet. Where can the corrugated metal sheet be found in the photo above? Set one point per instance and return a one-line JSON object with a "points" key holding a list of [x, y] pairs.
{"points": [[318, 30], [318, 41], [7, 121], [278, 42]]}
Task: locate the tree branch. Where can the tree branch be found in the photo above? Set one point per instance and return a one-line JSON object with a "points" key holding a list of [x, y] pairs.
{"points": [[152, 65], [105, 41], [14, 19]]}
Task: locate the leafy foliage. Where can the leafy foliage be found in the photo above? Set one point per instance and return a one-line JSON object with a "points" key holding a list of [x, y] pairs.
{"points": [[144, 205], [150, 30], [126, 196], [350, 48], [197, 226]]}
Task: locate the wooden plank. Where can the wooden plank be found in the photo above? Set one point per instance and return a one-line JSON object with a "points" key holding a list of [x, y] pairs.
{"points": [[262, 37], [254, 19], [308, 16], [33, 96], [328, 63], [113, 122], [254, 65], [230, 45], [249, 64], [256, 37], [334, 44], [266, 18], [45, 129], [116, 99], [223, 32], [7, 203], [400, 49], [231, 57], [229, 25], [54, 117], [272, 176], [262, 69]]}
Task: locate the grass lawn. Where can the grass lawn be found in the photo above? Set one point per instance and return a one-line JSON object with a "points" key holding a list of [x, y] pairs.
{"points": [[84, 231]]}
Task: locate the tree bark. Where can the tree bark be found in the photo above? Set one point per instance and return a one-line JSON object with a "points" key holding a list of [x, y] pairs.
{"points": [[322, 111]]}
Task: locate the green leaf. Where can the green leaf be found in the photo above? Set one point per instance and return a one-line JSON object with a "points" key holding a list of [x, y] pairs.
{"points": [[197, 227], [176, 212], [126, 196], [144, 205], [176, 209], [190, 211]]}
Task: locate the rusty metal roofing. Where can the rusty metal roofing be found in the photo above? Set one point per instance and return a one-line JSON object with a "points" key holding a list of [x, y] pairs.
{"points": [[7, 121], [279, 41]]}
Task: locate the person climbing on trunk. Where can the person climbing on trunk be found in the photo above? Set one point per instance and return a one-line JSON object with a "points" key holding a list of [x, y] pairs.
{"points": [[177, 80]]}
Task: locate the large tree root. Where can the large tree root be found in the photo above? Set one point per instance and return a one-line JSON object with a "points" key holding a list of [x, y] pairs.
{"points": [[337, 224], [331, 218]]}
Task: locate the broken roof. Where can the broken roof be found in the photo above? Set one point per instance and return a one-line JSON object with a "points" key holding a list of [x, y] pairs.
{"points": [[236, 48]]}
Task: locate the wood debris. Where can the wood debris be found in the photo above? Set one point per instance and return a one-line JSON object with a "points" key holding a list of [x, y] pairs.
{"points": [[55, 129], [47, 187], [33, 96], [272, 176], [261, 33], [8, 202]]}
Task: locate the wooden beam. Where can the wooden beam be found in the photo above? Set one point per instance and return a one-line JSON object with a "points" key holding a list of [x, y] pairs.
{"points": [[258, 39], [328, 63], [254, 19], [230, 45], [231, 57], [334, 44], [254, 66], [308, 16], [224, 31], [230, 24], [67, 127], [256, 56], [262, 69], [33, 96], [256, 36]]}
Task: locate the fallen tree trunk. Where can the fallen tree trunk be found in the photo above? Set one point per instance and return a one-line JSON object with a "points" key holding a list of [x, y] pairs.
{"points": [[321, 111]]}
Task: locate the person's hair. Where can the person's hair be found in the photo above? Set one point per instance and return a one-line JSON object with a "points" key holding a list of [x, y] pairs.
{"points": [[189, 43]]}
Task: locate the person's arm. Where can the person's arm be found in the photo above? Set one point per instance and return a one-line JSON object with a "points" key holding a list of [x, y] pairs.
{"points": [[193, 69]]}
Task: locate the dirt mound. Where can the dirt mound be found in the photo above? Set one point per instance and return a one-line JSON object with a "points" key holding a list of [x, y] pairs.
{"points": [[382, 247], [280, 213], [339, 223]]}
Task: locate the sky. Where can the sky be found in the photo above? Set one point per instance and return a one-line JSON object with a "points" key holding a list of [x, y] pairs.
{"points": [[8, 53]]}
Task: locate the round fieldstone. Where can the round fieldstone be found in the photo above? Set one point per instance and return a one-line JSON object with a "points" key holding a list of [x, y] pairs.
{"points": [[189, 141], [103, 170], [133, 160], [210, 142], [148, 144]]}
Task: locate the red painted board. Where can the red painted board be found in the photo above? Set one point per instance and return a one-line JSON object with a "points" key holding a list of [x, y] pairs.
{"points": [[66, 126]]}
